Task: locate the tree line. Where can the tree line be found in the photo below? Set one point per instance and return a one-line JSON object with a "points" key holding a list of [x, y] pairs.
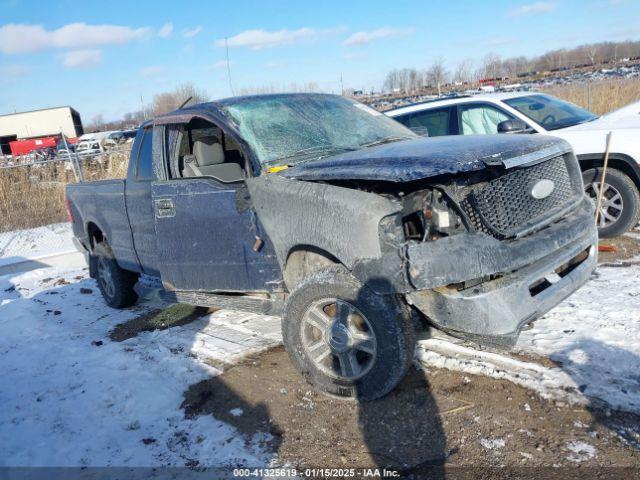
{"points": [[407, 80], [493, 66]]}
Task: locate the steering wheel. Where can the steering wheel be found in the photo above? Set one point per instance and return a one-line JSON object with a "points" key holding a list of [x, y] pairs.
{"points": [[549, 119]]}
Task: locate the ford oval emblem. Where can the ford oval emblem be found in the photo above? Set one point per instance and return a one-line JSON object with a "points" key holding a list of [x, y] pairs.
{"points": [[542, 189]]}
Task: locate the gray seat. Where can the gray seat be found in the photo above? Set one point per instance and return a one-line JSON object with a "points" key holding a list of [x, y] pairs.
{"points": [[208, 160]]}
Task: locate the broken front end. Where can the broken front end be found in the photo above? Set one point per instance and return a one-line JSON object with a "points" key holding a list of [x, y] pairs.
{"points": [[493, 251]]}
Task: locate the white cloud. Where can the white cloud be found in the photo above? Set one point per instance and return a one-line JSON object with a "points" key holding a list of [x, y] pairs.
{"points": [[259, 39], [166, 30], [363, 38], [14, 70], [192, 32], [22, 38], [532, 9], [82, 58], [151, 71], [220, 64]]}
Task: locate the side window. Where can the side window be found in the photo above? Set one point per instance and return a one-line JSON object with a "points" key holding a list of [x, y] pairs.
{"points": [[436, 122], [203, 150], [144, 169], [480, 119]]}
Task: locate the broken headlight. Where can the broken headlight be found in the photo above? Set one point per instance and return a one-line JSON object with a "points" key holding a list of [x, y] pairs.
{"points": [[429, 215]]}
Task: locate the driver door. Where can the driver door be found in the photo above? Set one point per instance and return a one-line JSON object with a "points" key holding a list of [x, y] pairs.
{"points": [[206, 235]]}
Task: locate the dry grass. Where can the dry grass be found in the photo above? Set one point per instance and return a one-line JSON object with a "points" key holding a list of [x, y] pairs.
{"points": [[31, 196], [605, 96]]}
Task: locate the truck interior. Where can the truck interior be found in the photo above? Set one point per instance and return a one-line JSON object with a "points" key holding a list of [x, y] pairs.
{"points": [[205, 151]]}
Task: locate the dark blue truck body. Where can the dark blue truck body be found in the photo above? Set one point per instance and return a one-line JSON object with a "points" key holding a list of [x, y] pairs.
{"points": [[265, 232]]}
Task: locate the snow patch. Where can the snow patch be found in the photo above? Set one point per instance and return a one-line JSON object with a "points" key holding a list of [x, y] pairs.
{"points": [[35, 243], [72, 397], [492, 443], [580, 451]]}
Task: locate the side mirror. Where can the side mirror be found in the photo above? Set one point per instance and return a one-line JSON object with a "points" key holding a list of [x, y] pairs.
{"points": [[514, 125]]}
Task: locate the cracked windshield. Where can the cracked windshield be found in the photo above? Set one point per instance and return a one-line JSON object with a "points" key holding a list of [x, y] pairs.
{"points": [[285, 130]]}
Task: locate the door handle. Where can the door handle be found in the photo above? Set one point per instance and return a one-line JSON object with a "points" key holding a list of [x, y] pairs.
{"points": [[165, 207]]}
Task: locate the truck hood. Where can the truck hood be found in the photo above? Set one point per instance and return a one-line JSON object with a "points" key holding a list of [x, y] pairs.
{"points": [[416, 159]]}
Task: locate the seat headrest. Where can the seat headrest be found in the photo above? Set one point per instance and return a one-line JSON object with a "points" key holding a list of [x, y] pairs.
{"points": [[208, 151]]}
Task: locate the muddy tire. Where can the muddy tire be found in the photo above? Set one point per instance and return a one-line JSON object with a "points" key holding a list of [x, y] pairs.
{"points": [[115, 283], [621, 201], [345, 339]]}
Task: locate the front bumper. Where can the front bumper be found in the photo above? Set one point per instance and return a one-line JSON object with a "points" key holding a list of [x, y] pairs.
{"points": [[530, 277]]}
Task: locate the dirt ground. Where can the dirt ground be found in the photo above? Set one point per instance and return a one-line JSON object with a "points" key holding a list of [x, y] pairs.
{"points": [[624, 248], [437, 420], [437, 423]]}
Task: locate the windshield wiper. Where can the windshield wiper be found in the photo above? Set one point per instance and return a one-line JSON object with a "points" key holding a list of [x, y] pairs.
{"points": [[326, 149], [382, 141]]}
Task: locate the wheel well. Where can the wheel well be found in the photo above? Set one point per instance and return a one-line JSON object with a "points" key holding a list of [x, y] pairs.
{"points": [[304, 259], [620, 162], [95, 234]]}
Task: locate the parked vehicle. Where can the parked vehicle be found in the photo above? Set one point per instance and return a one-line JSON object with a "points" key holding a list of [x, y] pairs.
{"points": [[63, 148], [31, 145], [531, 112], [92, 143], [348, 224], [89, 147]]}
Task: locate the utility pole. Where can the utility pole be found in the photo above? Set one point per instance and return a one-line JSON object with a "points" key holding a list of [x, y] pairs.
{"points": [[226, 47]]}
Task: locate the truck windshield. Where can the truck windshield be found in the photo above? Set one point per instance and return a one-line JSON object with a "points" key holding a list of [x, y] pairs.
{"points": [[550, 112], [289, 129]]}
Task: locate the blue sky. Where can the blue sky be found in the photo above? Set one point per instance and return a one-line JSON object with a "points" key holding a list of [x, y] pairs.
{"points": [[102, 57]]}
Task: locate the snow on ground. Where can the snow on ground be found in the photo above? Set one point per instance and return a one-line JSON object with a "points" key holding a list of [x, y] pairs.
{"points": [[35, 243], [580, 451], [592, 337], [72, 397]]}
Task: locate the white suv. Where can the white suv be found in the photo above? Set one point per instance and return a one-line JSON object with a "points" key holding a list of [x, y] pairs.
{"points": [[533, 112]]}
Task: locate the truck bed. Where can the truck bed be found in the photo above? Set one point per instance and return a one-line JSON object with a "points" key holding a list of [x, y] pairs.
{"points": [[102, 203]]}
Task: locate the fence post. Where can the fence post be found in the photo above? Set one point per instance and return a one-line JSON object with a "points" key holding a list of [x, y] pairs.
{"points": [[77, 171]]}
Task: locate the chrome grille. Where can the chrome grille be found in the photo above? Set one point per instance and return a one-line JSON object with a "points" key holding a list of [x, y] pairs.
{"points": [[505, 206]]}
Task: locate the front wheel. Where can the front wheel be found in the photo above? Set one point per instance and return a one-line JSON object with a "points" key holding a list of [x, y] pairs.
{"points": [[620, 204], [116, 284], [345, 339]]}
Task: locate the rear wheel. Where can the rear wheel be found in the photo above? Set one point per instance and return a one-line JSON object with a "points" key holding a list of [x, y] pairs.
{"points": [[344, 338], [115, 283], [620, 205]]}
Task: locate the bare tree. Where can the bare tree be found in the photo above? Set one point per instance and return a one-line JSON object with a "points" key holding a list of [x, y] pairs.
{"points": [[464, 71], [593, 53], [405, 80], [168, 101], [437, 74], [491, 66], [97, 123]]}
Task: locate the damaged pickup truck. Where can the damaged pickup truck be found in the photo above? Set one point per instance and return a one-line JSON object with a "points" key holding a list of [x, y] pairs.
{"points": [[350, 226]]}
